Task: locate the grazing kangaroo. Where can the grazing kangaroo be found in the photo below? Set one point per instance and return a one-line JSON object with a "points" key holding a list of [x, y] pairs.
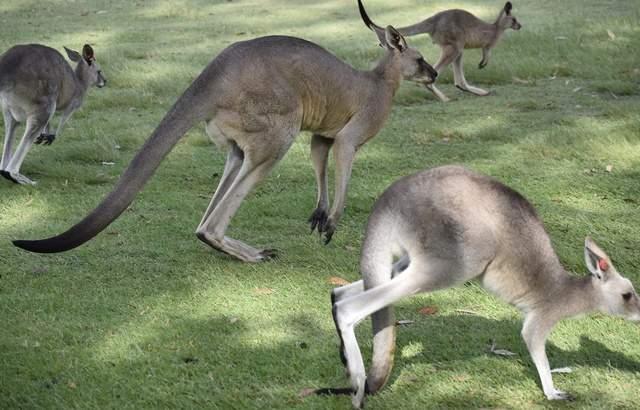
{"points": [[35, 82], [448, 225], [255, 98], [454, 31]]}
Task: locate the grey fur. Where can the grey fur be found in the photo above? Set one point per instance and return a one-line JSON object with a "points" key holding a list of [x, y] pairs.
{"points": [[447, 226], [454, 31], [255, 97], [35, 82]]}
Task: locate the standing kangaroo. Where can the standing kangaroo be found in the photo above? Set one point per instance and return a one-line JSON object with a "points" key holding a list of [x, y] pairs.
{"points": [[255, 98], [35, 82], [448, 225], [454, 31]]}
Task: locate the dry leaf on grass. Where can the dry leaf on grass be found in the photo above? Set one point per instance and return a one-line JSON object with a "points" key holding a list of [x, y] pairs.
{"points": [[562, 370], [29, 202], [71, 384], [608, 168], [337, 281], [428, 310], [305, 392], [463, 378], [500, 352], [263, 291], [468, 312], [612, 36]]}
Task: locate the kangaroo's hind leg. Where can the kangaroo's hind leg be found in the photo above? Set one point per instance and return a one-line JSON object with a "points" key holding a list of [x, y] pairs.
{"points": [[461, 82], [448, 54], [34, 126], [11, 126], [244, 169]]}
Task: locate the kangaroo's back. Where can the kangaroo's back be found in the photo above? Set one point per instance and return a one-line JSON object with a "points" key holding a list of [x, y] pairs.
{"points": [[284, 74], [483, 227], [32, 70]]}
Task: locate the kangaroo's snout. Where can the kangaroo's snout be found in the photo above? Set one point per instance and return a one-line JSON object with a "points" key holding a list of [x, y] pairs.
{"points": [[430, 74]]}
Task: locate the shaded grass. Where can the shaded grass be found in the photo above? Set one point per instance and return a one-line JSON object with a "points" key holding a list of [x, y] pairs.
{"points": [[146, 316]]}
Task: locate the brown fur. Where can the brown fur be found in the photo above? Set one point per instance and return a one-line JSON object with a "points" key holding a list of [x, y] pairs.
{"points": [[254, 98]]}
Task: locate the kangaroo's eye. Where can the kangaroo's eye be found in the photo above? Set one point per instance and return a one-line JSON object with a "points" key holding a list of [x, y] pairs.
{"points": [[627, 296]]}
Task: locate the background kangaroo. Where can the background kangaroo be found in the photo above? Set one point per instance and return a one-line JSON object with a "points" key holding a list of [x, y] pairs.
{"points": [[448, 225], [454, 31], [255, 98], [35, 82]]}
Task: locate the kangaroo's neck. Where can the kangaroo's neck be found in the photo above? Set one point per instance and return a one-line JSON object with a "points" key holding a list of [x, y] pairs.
{"points": [[82, 78], [575, 296], [388, 73]]}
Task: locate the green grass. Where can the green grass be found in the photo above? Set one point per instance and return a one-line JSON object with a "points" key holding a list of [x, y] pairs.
{"points": [[146, 316]]}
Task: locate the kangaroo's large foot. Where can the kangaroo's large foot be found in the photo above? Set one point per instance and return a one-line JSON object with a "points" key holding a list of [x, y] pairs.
{"points": [[237, 249], [46, 139], [473, 90], [560, 395], [17, 178]]}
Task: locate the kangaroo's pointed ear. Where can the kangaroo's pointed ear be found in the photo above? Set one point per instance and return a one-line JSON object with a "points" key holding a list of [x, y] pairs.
{"points": [[394, 39], [73, 55], [87, 54], [508, 7], [598, 262]]}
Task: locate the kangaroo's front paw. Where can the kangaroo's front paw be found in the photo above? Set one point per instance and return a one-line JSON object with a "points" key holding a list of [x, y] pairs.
{"points": [[318, 219], [328, 232], [46, 139]]}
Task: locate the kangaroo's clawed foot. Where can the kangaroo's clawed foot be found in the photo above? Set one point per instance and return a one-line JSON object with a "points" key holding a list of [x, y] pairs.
{"points": [[317, 219], [46, 139], [17, 178]]}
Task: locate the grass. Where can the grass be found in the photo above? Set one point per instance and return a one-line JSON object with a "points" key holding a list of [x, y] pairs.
{"points": [[146, 316]]}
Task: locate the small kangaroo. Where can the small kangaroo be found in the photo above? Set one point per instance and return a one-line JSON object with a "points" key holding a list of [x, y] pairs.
{"points": [[448, 225], [35, 82], [255, 97], [454, 31]]}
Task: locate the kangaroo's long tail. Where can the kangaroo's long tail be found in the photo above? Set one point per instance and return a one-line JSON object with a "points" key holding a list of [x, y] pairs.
{"points": [[185, 113], [384, 345], [367, 21]]}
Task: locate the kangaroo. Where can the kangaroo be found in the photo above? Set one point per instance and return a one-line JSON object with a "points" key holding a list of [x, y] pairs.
{"points": [[446, 226], [255, 97], [35, 82], [454, 31]]}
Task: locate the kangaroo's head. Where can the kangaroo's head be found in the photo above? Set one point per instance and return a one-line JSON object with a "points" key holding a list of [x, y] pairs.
{"points": [[87, 68], [506, 19], [414, 67], [616, 294]]}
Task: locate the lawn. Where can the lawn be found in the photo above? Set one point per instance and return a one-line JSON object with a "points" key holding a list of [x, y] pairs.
{"points": [[147, 316]]}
